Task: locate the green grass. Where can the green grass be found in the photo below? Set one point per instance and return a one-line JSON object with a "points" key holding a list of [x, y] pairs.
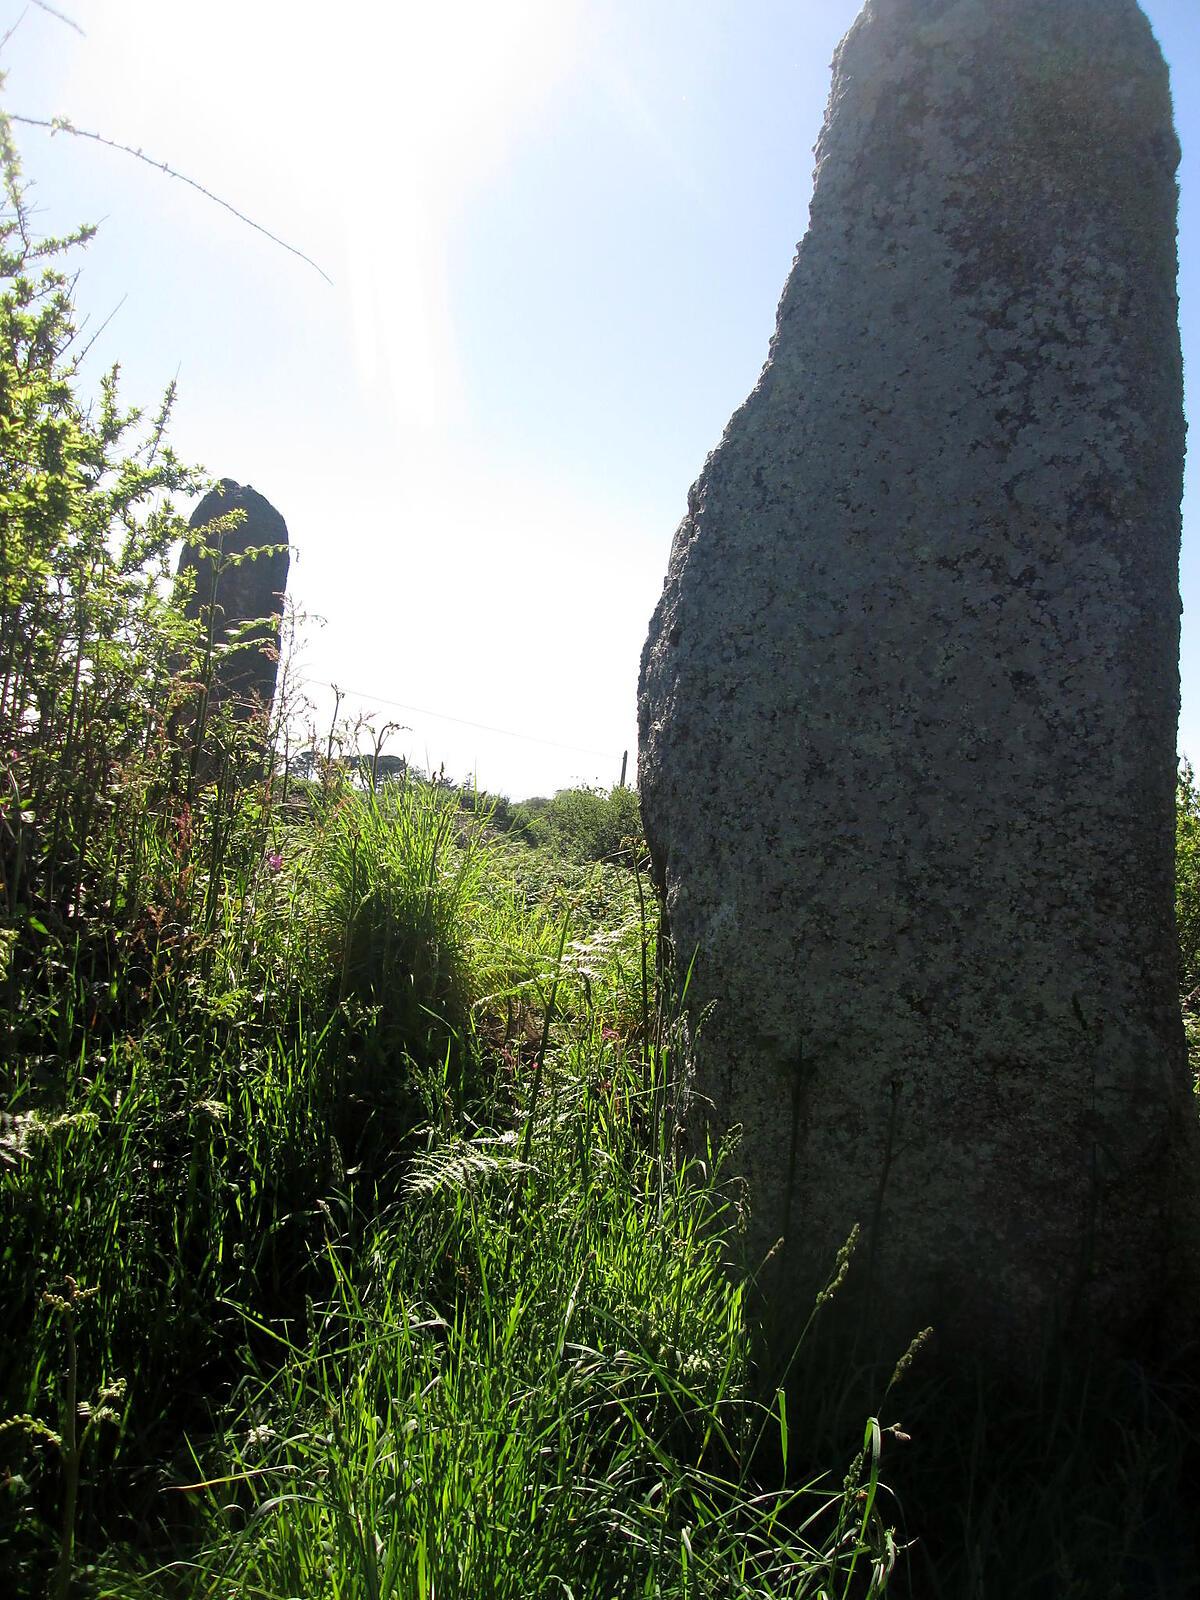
{"points": [[389, 1247], [535, 1387]]}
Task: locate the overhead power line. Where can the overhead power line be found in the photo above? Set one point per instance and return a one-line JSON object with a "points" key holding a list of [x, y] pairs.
{"points": [[465, 722]]}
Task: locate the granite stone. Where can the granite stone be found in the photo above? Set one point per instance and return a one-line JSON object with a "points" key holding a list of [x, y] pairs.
{"points": [[908, 703], [239, 596]]}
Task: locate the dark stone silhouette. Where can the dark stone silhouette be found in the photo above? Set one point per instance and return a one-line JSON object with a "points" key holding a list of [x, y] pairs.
{"points": [[908, 703], [227, 596]]}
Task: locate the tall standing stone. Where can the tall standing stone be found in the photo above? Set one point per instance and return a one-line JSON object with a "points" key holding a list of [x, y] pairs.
{"points": [[236, 596], [909, 700]]}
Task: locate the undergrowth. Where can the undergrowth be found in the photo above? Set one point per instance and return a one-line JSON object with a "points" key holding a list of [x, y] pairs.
{"points": [[381, 1261]]}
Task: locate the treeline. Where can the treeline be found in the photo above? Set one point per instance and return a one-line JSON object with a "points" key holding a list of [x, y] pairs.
{"points": [[586, 824]]}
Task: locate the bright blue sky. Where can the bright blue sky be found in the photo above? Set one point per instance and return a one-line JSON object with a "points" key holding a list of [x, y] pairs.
{"points": [[558, 231]]}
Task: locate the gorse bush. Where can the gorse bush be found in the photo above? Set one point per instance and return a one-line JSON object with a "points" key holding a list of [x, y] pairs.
{"points": [[113, 859], [87, 641]]}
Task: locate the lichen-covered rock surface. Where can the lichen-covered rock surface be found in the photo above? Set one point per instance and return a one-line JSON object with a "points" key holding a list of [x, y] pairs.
{"points": [[230, 590], [909, 700]]}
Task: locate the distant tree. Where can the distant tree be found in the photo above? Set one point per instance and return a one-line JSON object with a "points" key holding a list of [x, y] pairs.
{"points": [[588, 824]]}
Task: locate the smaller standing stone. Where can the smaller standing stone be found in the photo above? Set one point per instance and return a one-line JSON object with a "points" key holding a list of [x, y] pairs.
{"points": [[228, 594]]}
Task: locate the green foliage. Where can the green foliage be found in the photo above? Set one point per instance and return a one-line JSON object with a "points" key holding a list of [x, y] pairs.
{"points": [[1187, 908], [394, 874], [539, 1324], [89, 648], [1187, 878], [585, 824]]}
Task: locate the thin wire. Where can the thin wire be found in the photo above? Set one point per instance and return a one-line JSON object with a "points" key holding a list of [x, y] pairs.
{"points": [[60, 16], [442, 716], [10, 31], [62, 125]]}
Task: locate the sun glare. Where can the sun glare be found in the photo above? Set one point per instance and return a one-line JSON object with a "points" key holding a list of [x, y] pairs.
{"points": [[437, 98]]}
